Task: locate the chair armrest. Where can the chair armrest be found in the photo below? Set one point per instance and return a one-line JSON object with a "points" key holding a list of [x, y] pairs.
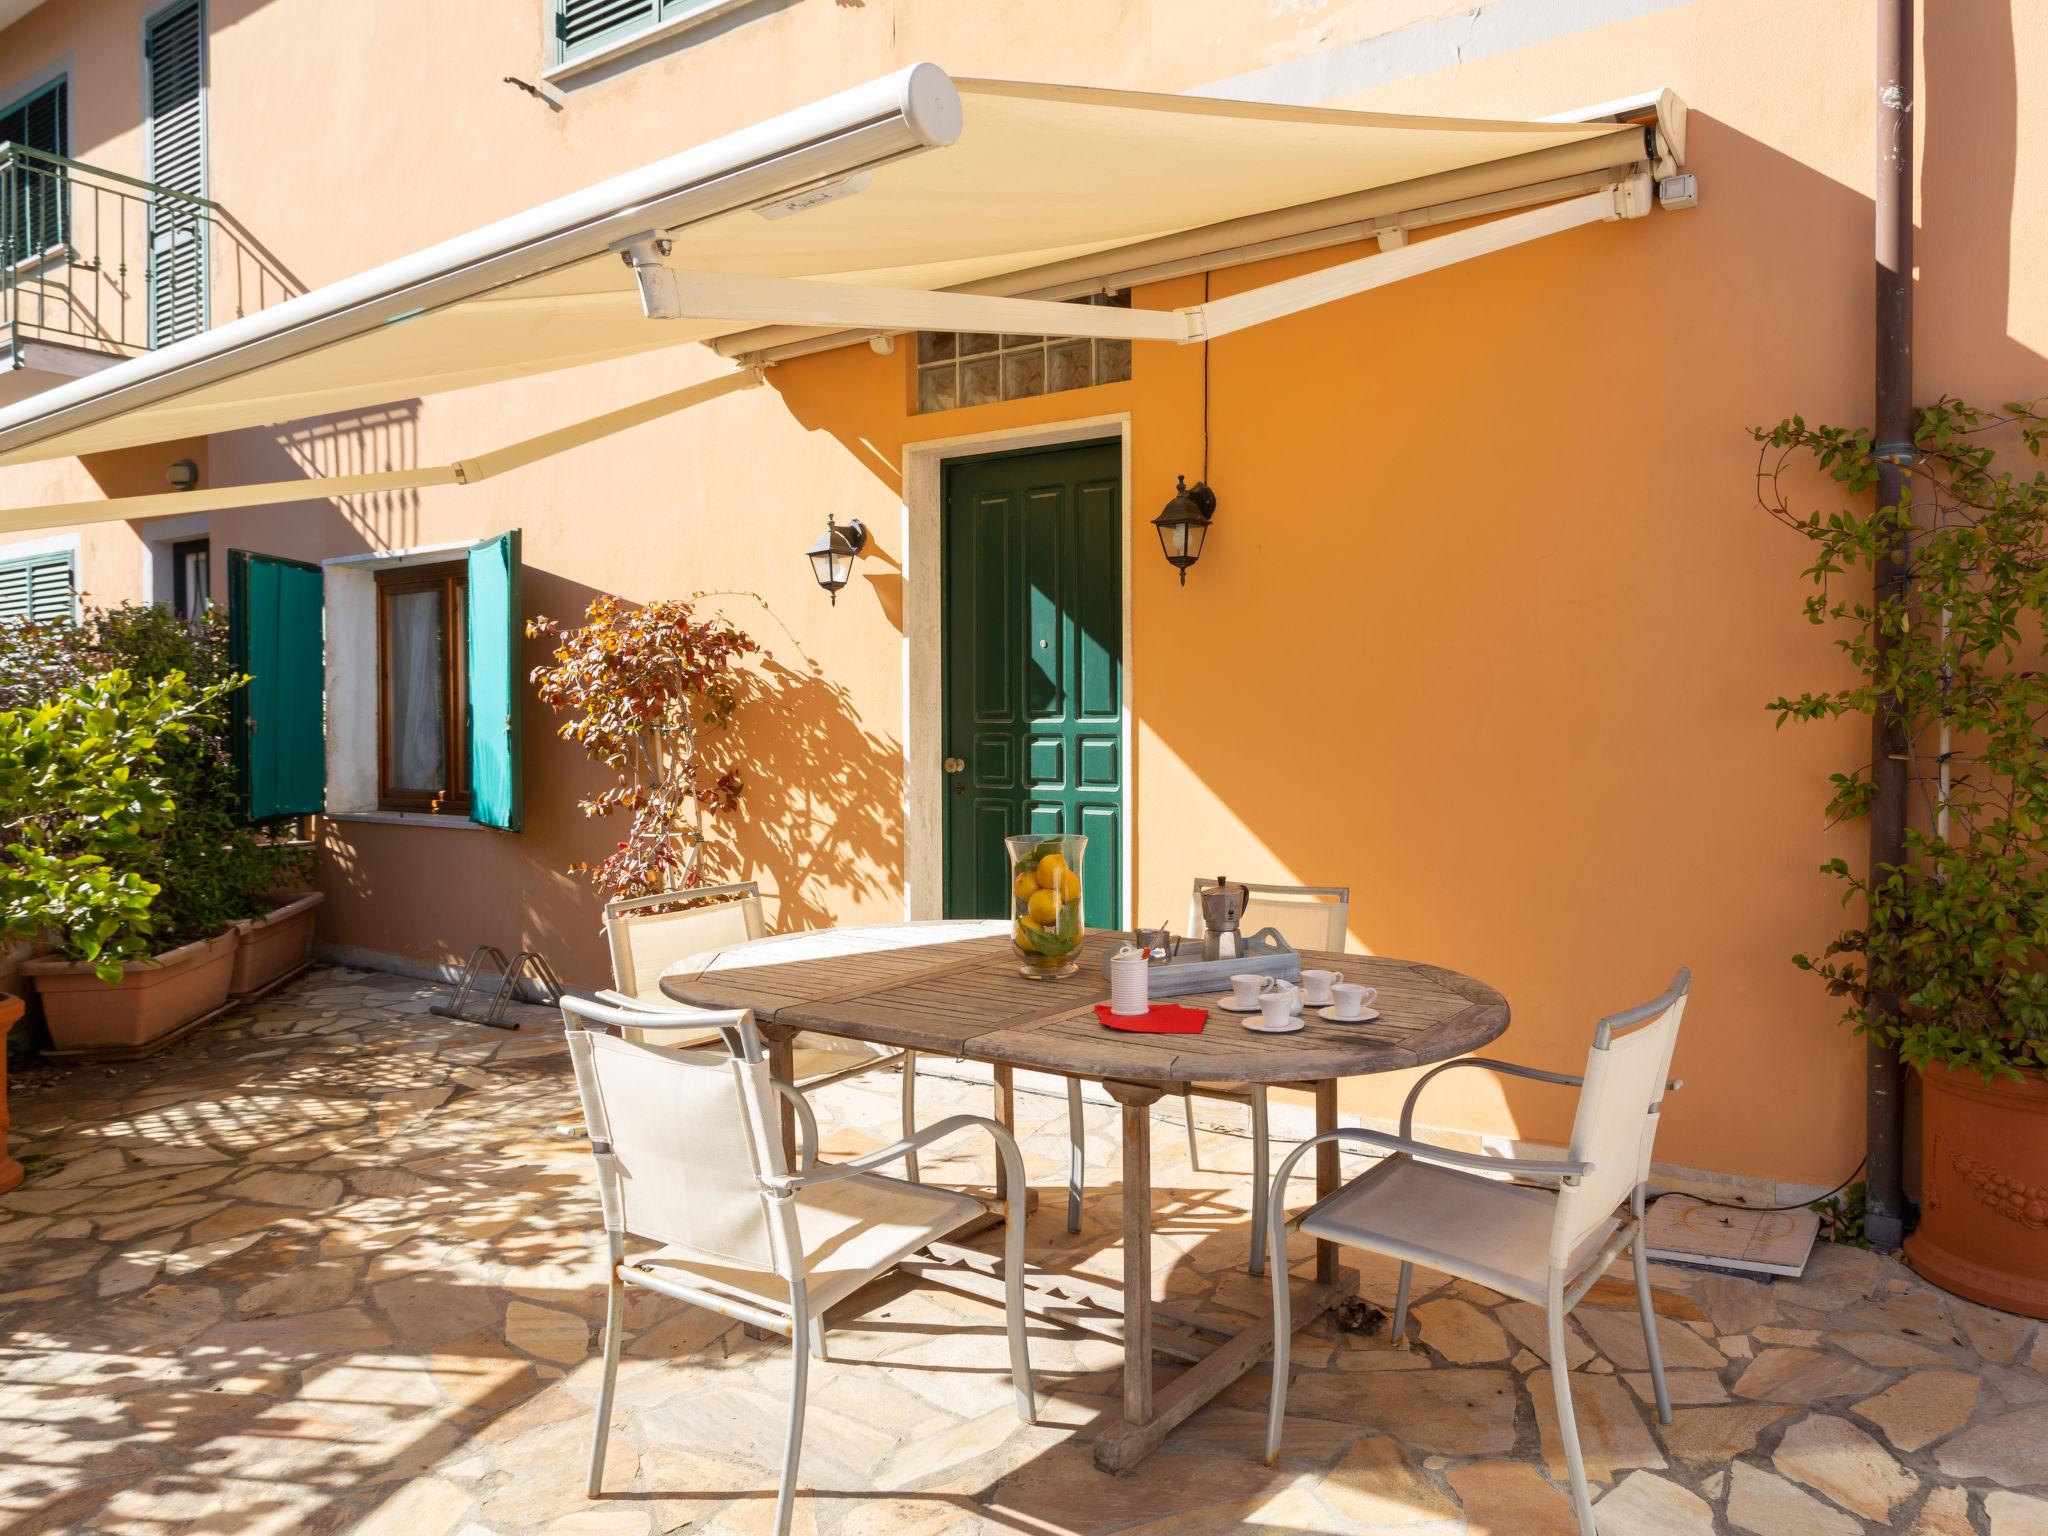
{"points": [[806, 1119], [1505, 1068], [640, 1016], [1006, 1149]]}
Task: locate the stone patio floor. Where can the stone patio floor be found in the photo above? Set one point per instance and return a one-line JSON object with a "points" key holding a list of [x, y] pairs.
{"points": [[332, 1265]]}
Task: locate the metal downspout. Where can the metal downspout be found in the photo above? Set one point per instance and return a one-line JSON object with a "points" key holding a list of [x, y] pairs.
{"points": [[1884, 1220]]}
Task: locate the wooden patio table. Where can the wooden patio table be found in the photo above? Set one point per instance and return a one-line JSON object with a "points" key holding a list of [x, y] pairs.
{"points": [[954, 989]]}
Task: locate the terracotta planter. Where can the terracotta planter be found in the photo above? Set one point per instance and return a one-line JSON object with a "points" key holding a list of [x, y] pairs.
{"points": [[1983, 1229], [152, 998], [10, 1011], [272, 946]]}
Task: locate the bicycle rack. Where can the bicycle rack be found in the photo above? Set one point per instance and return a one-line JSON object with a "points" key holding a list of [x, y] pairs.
{"points": [[529, 961]]}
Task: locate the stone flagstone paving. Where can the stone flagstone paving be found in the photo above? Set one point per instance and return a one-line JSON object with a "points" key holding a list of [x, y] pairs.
{"points": [[331, 1266]]}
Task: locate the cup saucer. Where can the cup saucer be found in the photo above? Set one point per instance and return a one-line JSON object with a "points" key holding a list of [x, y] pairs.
{"points": [[1261, 1027], [1363, 1016], [1232, 1005]]}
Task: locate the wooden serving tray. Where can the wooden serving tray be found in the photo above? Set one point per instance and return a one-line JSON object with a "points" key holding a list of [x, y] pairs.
{"points": [[1265, 954]]}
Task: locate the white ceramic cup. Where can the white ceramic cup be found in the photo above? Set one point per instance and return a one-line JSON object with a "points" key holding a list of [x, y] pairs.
{"points": [[1315, 986], [1286, 989], [1245, 990], [1352, 999], [1128, 982], [1276, 1009]]}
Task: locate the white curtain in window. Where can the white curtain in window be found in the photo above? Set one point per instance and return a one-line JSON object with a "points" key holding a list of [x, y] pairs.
{"points": [[419, 736]]}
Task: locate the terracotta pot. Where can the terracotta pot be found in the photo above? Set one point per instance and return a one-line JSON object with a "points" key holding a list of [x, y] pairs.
{"points": [[273, 945], [1983, 1229], [152, 997], [10, 1012]]}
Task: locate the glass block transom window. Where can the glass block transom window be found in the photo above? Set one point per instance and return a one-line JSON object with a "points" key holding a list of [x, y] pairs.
{"points": [[975, 368]]}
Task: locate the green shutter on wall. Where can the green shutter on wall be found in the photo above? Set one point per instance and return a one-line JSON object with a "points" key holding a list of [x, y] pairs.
{"points": [[276, 634], [496, 629], [34, 202], [584, 26], [38, 587], [174, 55]]}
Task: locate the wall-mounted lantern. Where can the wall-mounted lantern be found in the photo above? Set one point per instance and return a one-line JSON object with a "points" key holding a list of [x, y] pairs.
{"points": [[182, 475], [1184, 525], [832, 556]]}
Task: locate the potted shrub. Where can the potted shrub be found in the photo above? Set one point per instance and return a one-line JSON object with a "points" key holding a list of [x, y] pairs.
{"points": [[87, 805], [1958, 931]]}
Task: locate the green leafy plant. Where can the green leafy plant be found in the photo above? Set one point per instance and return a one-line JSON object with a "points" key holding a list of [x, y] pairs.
{"points": [[1958, 931], [650, 691], [83, 799]]}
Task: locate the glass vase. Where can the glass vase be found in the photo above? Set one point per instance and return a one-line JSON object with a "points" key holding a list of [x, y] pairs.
{"points": [[1045, 903]]}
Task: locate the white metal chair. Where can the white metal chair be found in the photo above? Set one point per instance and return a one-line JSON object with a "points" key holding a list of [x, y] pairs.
{"points": [[1308, 917], [1431, 1205], [689, 1155], [644, 943]]}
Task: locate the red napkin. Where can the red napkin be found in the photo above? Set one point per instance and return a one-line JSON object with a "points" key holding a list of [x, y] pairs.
{"points": [[1159, 1019]]}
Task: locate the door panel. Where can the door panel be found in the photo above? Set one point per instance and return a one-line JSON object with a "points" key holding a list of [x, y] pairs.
{"points": [[1033, 658], [276, 634]]}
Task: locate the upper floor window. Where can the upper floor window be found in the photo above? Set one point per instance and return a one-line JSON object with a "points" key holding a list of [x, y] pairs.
{"points": [[423, 688], [174, 151], [32, 201], [42, 588], [973, 368], [586, 28]]}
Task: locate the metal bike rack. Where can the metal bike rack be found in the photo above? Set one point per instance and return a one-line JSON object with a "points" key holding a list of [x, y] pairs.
{"points": [[528, 962]]}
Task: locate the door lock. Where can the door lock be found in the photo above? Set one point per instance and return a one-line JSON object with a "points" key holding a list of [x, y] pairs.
{"points": [[955, 765]]}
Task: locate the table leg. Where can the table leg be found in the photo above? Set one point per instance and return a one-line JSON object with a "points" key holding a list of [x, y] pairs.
{"points": [[1006, 1112], [1327, 1178], [782, 1067], [1137, 1101]]}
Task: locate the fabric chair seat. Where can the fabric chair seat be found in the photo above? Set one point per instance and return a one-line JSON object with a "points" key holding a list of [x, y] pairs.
{"points": [[1480, 1229], [852, 1229]]}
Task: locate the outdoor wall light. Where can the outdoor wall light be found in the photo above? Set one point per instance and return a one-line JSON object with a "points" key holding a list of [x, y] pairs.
{"points": [[832, 556], [182, 475], [1185, 524]]}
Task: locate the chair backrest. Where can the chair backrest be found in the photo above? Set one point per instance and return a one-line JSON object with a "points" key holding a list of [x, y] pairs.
{"points": [[645, 943], [1307, 916], [1619, 1106], [683, 1137]]}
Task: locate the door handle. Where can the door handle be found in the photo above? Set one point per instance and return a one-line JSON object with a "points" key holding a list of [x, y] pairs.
{"points": [[955, 765]]}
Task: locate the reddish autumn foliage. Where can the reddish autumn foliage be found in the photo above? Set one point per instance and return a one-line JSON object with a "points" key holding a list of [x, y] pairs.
{"points": [[649, 692]]}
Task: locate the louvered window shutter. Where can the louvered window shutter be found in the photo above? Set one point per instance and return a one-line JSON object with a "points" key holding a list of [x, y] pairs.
{"points": [[584, 26], [40, 587], [277, 635], [497, 629], [174, 47], [33, 204]]}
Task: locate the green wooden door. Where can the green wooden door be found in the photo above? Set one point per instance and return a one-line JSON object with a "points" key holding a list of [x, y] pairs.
{"points": [[1033, 667], [276, 634]]}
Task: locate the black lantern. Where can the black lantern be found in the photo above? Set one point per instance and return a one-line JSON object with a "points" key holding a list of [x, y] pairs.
{"points": [[832, 556], [1185, 524]]}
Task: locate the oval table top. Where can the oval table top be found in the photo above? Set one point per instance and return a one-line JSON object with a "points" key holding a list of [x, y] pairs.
{"points": [[954, 989]]}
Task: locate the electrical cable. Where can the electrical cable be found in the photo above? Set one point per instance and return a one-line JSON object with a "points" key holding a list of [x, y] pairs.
{"points": [[1731, 1205]]}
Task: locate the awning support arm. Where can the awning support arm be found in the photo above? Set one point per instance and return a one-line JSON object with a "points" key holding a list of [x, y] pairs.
{"points": [[801, 301], [483, 466]]}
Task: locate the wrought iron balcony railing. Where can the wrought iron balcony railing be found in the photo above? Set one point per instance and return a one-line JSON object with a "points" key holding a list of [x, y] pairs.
{"points": [[95, 259]]}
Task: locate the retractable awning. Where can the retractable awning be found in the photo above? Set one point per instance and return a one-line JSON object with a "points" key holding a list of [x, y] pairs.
{"points": [[912, 202]]}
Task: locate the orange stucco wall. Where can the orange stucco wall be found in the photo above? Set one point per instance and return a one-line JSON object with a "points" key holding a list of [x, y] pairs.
{"points": [[1487, 622]]}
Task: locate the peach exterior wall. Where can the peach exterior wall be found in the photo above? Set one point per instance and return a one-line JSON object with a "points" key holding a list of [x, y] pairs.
{"points": [[1486, 545]]}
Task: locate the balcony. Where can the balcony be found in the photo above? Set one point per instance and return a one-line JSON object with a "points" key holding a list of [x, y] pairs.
{"points": [[96, 266]]}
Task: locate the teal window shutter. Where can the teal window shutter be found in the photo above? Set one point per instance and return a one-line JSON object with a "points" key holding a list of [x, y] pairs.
{"points": [[174, 151], [34, 197], [277, 635], [42, 588], [585, 26], [497, 626]]}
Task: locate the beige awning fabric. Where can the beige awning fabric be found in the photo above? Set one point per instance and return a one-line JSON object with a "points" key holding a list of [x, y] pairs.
{"points": [[916, 182]]}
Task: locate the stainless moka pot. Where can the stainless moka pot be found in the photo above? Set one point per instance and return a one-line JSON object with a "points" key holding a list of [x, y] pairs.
{"points": [[1222, 906]]}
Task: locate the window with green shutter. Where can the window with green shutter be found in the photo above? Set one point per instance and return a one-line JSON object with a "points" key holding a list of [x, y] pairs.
{"points": [[277, 635], [174, 148], [33, 200], [43, 588], [585, 26]]}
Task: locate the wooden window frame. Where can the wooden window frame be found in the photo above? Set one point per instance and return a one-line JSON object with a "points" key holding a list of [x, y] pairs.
{"points": [[451, 580]]}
